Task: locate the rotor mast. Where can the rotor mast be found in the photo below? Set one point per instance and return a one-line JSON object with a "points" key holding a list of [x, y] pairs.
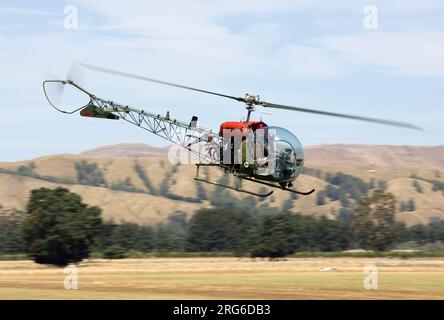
{"points": [[251, 101]]}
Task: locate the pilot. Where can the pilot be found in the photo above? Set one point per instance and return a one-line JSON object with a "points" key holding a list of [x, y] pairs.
{"points": [[285, 165]]}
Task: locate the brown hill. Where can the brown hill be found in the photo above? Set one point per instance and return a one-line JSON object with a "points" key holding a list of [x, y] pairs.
{"points": [[163, 189], [327, 154], [375, 155], [127, 150]]}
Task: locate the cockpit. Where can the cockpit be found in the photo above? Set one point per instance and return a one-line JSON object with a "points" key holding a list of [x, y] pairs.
{"points": [[289, 154], [268, 151], [284, 153]]}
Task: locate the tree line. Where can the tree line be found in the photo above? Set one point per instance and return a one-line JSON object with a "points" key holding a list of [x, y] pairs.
{"points": [[58, 228]]}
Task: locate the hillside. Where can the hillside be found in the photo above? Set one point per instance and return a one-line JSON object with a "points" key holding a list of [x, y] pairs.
{"points": [[137, 183], [375, 155], [136, 150], [332, 154]]}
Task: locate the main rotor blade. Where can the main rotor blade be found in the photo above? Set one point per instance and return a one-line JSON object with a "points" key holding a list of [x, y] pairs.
{"points": [[346, 116], [254, 101], [134, 76]]}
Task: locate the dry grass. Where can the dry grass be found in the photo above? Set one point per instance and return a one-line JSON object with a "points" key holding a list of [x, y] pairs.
{"points": [[145, 208], [116, 205], [375, 155], [227, 278]]}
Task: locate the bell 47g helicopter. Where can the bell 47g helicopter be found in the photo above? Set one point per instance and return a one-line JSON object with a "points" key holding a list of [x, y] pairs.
{"points": [[250, 150]]}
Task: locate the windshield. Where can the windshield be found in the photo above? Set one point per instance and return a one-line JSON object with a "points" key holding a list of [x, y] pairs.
{"points": [[288, 153]]}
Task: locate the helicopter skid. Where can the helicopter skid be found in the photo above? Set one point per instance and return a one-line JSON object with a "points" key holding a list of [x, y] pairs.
{"points": [[285, 188], [238, 189], [239, 186]]}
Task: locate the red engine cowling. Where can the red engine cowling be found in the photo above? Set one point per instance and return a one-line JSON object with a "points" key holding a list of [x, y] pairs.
{"points": [[242, 126]]}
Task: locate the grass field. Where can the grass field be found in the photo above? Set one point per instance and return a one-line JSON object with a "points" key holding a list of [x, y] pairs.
{"points": [[227, 278]]}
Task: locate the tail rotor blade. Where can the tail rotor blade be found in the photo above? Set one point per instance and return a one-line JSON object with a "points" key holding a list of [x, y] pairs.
{"points": [[55, 90], [75, 73]]}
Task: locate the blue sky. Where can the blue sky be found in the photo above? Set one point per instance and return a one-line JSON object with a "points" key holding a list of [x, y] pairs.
{"points": [[303, 53]]}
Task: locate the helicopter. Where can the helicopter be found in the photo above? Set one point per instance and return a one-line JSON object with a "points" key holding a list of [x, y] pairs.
{"points": [[250, 150]]}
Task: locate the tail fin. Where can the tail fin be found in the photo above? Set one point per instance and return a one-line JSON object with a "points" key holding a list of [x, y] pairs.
{"points": [[193, 122]]}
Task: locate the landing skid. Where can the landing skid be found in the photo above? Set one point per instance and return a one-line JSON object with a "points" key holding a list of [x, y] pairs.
{"points": [[285, 188], [239, 186], [239, 189]]}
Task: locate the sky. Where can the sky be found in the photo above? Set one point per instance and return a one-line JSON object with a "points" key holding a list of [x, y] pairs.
{"points": [[382, 59]]}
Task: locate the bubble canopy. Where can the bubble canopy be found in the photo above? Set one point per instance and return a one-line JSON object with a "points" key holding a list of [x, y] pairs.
{"points": [[283, 136], [289, 153]]}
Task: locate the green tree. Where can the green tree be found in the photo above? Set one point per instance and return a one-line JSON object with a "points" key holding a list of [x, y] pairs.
{"points": [[288, 204], [417, 186], [320, 198], [59, 229], [418, 233], [125, 185], [372, 223], [330, 235], [89, 174], [11, 231], [201, 191], [343, 215], [348, 186], [114, 252], [410, 206], [165, 186], [332, 192], [401, 232], [164, 239], [372, 183], [382, 185], [435, 231], [277, 236], [402, 206], [144, 177], [27, 170], [217, 230], [125, 235]]}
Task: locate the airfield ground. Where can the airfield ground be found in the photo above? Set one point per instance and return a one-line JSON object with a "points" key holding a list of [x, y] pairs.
{"points": [[227, 278]]}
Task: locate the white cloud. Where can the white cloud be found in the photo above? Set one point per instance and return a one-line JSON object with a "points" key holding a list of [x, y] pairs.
{"points": [[21, 11], [409, 53], [191, 29], [307, 61], [10, 27]]}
